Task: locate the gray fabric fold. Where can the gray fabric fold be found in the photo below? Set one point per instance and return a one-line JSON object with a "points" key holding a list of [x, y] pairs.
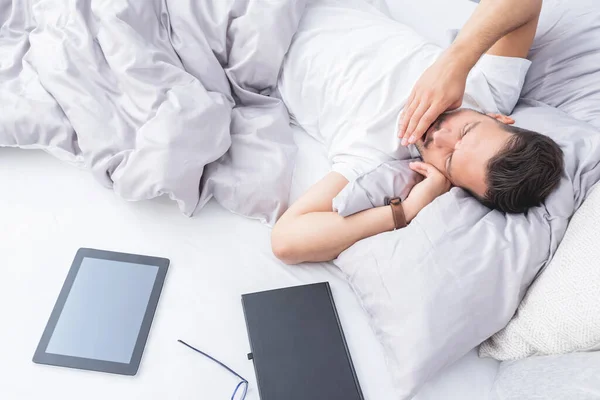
{"points": [[157, 97]]}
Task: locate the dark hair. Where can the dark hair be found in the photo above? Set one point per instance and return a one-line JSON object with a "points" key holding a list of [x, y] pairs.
{"points": [[524, 172]]}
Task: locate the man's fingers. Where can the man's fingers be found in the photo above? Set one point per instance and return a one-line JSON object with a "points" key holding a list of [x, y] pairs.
{"points": [[423, 168], [428, 118], [407, 117], [414, 121], [403, 120], [420, 167]]}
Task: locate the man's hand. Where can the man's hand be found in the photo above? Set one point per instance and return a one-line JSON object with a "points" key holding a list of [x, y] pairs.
{"points": [[505, 27], [440, 88], [434, 185]]}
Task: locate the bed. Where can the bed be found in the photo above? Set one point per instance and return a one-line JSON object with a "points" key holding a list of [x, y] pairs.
{"points": [[49, 209]]}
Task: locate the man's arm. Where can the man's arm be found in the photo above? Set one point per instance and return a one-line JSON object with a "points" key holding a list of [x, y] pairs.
{"points": [[516, 43], [500, 27], [309, 231]]}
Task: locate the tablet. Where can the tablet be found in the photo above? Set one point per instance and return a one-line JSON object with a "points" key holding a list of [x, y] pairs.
{"points": [[102, 317]]}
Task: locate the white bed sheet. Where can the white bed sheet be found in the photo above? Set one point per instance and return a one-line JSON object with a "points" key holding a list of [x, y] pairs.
{"points": [[49, 209]]}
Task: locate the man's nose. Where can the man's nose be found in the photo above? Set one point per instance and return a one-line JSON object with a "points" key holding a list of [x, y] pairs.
{"points": [[445, 138]]}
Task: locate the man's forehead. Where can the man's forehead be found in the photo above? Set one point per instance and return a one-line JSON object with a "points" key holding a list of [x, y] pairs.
{"points": [[464, 112]]}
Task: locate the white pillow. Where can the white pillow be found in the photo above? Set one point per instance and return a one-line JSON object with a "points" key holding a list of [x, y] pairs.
{"points": [[561, 311]]}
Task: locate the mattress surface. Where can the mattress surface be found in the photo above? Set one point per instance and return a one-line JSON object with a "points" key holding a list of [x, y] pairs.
{"points": [[50, 209]]}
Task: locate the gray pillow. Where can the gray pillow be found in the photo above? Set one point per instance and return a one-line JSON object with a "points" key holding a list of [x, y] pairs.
{"points": [[565, 70], [455, 276]]}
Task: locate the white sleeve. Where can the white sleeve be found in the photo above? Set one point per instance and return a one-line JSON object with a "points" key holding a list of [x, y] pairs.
{"points": [[505, 77]]}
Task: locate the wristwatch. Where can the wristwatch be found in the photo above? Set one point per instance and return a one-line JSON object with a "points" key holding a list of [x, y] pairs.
{"points": [[397, 211]]}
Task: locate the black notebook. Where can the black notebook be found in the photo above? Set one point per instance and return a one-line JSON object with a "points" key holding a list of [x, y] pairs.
{"points": [[298, 346]]}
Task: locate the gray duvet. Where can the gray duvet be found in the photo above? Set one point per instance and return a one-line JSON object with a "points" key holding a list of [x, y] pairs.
{"points": [[155, 97]]}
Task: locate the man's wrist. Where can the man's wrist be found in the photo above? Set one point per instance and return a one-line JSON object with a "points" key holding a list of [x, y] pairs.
{"points": [[462, 58], [410, 209]]}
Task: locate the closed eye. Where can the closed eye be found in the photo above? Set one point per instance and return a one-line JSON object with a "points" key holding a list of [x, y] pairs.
{"points": [[465, 130], [468, 128]]}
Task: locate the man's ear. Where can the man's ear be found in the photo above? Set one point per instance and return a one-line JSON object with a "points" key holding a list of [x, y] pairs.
{"points": [[502, 118]]}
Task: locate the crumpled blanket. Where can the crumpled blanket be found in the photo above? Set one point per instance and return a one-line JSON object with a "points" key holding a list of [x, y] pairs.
{"points": [[155, 97]]}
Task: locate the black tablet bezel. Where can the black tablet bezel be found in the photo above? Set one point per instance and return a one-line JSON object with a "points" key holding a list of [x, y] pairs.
{"points": [[41, 357]]}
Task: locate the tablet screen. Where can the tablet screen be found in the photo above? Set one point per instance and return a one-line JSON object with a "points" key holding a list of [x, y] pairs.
{"points": [[104, 310]]}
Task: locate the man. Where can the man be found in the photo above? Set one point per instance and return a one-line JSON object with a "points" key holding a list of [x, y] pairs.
{"points": [[506, 168]]}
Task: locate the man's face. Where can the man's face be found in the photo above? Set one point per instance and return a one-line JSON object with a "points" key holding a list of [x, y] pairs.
{"points": [[460, 145]]}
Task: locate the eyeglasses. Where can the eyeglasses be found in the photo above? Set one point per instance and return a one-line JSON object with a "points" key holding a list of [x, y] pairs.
{"points": [[242, 387]]}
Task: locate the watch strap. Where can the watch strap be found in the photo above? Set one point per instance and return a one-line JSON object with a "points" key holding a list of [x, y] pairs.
{"points": [[398, 212]]}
